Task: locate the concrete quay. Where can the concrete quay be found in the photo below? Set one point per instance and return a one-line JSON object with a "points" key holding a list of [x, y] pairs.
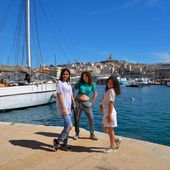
{"points": [[29, 147]]}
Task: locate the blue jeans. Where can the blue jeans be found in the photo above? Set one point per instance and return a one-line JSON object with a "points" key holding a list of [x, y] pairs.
{"points": [[64, 134]]}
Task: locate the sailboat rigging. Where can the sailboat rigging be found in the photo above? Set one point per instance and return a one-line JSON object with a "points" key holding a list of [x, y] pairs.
{"points": [[33, 94]]}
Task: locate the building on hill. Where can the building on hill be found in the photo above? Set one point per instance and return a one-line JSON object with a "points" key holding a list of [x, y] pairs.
{"points": [[163, 73]]}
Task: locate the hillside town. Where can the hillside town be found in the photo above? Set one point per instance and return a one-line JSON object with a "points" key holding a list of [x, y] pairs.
{"points": [[124, 70]]}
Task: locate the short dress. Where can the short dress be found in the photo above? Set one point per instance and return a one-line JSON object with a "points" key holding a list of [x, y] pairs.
{"points": [[108, 96]]}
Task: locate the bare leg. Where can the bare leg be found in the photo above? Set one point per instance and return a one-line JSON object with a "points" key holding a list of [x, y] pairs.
{"points": [[105, 129], [112, 137]]}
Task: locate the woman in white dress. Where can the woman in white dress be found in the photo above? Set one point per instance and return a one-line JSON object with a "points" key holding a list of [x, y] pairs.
{"points": [[109, 112]]}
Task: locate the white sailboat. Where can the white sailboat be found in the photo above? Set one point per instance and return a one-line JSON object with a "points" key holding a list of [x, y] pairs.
{"points": [[28, 95]]}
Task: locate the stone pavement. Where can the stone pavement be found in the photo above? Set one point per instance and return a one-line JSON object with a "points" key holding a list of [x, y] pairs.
{"points": [[29, 147]]}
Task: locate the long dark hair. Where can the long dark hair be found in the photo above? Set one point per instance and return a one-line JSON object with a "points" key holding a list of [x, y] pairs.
{"points": [[62, 72], [116, 85], [88, 75]]}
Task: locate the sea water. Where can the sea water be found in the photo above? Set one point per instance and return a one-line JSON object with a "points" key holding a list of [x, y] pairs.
{"points": [[143, 113]]}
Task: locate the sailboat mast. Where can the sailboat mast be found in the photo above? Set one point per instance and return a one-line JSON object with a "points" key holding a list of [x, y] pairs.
{"points": [[28, 33]]}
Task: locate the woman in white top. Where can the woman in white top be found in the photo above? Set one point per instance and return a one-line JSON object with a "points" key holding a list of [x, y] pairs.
{"points": [[109, 112], [64, 98]]}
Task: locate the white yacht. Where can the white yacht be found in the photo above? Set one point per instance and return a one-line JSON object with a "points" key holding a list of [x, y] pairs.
{"points": [[27, 95]]}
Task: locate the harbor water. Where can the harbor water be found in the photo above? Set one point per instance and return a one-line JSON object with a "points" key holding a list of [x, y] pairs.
{"points": [[143, 113]]}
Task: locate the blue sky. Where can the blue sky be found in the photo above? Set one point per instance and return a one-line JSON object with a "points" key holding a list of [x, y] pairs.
{"points": [[91, 30]]}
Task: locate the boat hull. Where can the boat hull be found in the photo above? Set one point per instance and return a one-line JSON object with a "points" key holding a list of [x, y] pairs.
{"points": [[168, 83], [26, 96]]}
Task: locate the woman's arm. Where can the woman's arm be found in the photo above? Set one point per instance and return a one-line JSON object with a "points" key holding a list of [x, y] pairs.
{"points": [[62, 104], [110, 112], [72, 101], [94, 97], [101, 108]]}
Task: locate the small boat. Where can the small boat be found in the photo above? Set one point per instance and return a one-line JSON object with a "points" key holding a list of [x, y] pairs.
{"points": [[74, 80], [123, 81], [138, 82], [168, 84], [134, 84], [102, 80]]}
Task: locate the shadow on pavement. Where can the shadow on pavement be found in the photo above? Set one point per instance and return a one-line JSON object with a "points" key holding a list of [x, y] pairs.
{"points": [[32, 144], [86, 149], [50, 134]]}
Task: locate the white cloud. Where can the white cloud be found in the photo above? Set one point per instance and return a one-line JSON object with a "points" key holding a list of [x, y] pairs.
{"points": [[126, 5], [106, 11], [162, 57], [135, 3], [151, 3], [155, 57], [130, 4]]}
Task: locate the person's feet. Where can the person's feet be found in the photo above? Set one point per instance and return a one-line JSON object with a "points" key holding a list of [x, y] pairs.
{"points": [[118, 141], [110, 150], [76, 137], [93, 137], [66, 147], [56, 144]]}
